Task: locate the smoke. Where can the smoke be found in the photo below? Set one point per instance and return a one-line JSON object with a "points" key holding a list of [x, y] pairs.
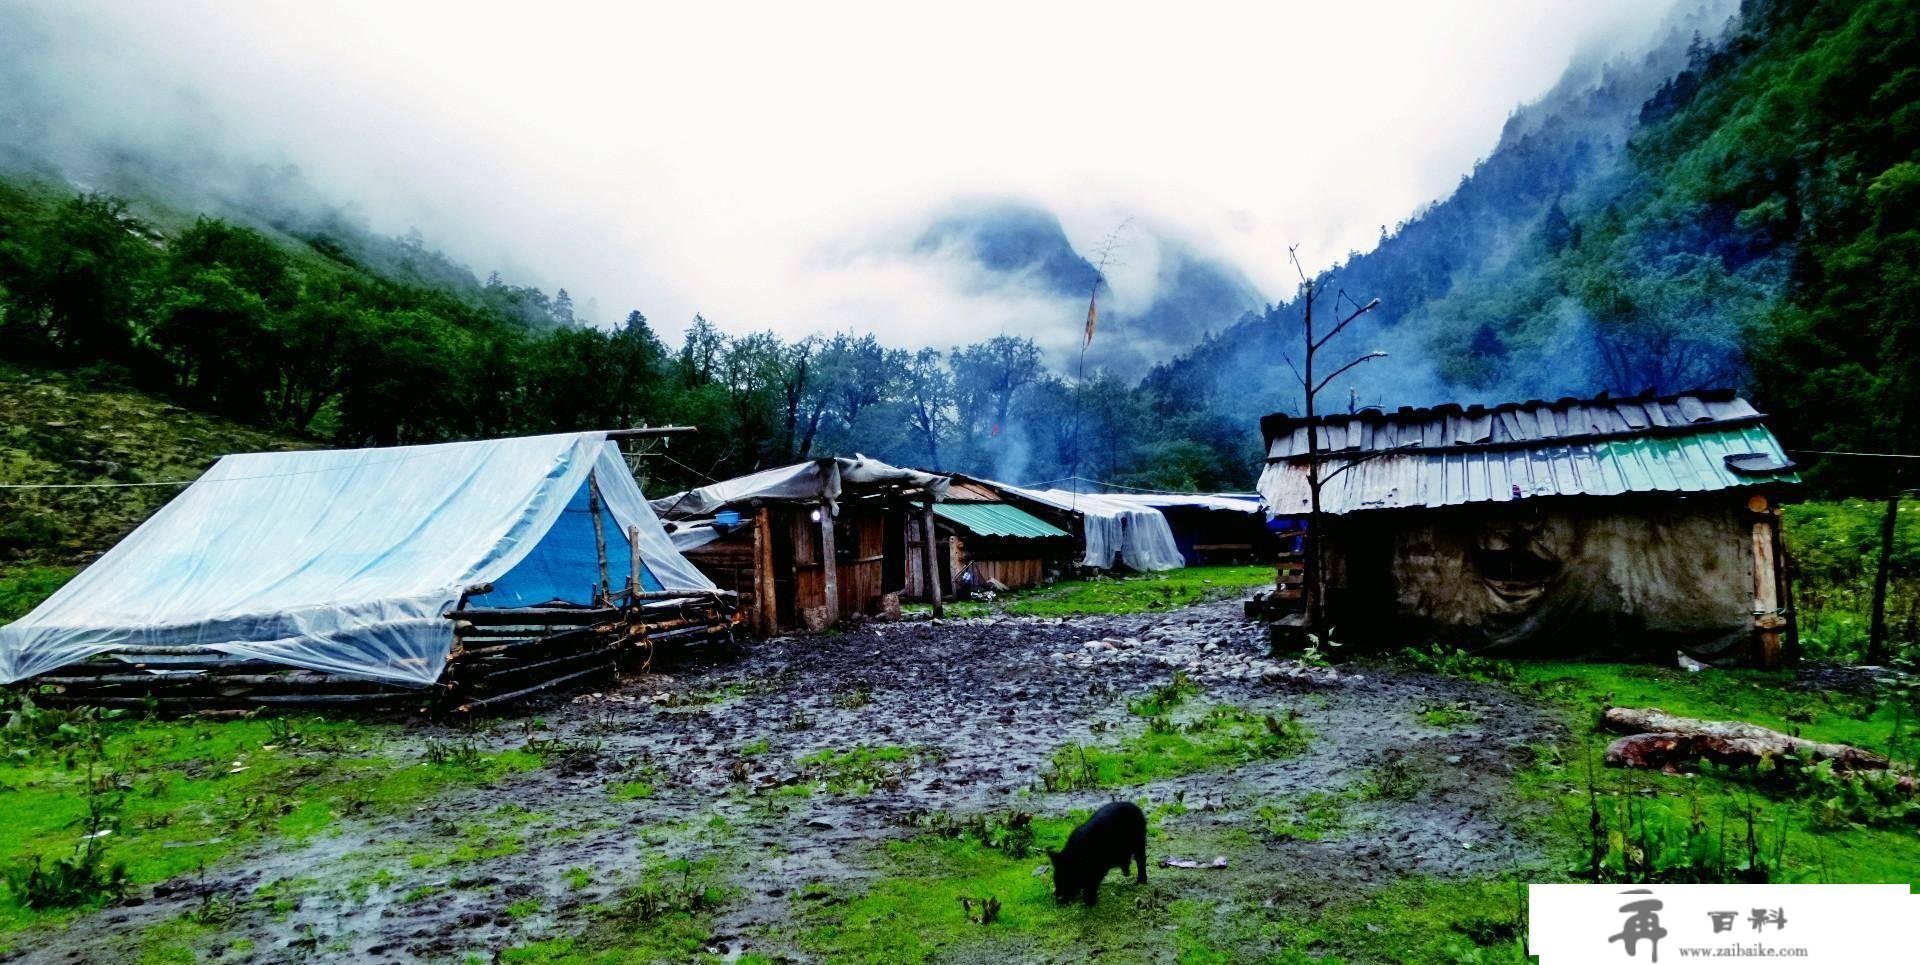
{"points": [[679, 159]]}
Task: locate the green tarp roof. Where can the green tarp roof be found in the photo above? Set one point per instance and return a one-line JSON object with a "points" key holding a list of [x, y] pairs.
{"points": [[997, 519]]}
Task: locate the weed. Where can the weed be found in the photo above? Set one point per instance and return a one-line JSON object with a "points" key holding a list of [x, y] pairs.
{"points": [[633, 791], [1171, 745], [668, 894], [853, 699], [1007, 831], [989, 909], [1448, 716], [1453, 662], [84, 877], [1313, 818], [861, 769], [461, 753], [1166, 697], [1395, 779]]}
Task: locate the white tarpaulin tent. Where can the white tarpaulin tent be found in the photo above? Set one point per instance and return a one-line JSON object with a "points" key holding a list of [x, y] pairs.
{"points": [[812, 480], [346, 561], [1138, 534]]}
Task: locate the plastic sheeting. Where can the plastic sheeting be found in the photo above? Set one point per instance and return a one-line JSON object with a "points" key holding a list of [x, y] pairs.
{"points": [[803, 482], [1220, 501], [1115, 528], [346, 561], [1623, 578]]}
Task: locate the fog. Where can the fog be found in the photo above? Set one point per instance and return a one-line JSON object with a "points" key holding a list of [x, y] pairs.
{"points": [[770, 165]]}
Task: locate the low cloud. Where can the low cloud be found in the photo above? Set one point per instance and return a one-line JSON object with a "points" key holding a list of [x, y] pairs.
{"points": [[769, 168]]}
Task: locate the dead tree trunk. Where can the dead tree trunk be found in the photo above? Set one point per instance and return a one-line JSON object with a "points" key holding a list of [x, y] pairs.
{"points": [[1662, 740]]}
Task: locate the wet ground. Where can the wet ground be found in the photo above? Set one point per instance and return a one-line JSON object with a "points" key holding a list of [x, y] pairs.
{"points": [[707, 764]]}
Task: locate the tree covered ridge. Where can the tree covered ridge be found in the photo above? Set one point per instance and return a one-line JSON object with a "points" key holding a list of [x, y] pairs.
{"points": [[303, 338]]}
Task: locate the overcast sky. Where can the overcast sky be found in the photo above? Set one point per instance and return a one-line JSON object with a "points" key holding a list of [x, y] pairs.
{"points": [[759, 162]]}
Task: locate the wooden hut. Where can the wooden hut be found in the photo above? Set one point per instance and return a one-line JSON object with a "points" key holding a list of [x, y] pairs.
{"points": [[987, 537], [809, 544], [1583, 527]]}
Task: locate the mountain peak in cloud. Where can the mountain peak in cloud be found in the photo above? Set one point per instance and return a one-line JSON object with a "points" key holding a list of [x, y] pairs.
{"points": [[1162, 292]]}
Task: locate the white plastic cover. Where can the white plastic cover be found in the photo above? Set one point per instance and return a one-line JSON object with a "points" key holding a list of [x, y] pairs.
{"points": [[813, 480], [1227, 502], [1138, 535], [345, 561]]}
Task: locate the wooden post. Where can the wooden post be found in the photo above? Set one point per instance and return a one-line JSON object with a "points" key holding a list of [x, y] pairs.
{"points": [[1877, 629], [599, 535], [930, 559], [829, 566], [1787, 602], [1767, 620], [766, 605], [633, 568]]}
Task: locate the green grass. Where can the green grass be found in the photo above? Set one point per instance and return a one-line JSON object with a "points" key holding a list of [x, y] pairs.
{"points": [[633, 790], [666, 915], [1447, 717], [1311, 817], [191, 792], [913, 911], [1138, 593], [1415, 920], [1195, 738], [861, 769]]}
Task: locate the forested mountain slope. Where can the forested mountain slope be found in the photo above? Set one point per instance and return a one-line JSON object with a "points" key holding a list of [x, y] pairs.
{"points": [[1756, 226], [1448, 314]]}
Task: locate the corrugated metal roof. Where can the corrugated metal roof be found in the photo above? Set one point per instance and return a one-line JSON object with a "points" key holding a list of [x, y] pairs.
{"points": [[1515, 424], [1689, 461], [997, 519]]}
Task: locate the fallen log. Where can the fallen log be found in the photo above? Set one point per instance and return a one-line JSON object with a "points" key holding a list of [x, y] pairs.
{"points": [[1659, 739]]}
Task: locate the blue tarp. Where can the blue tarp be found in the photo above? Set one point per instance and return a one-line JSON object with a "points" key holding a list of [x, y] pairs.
{"points": [[346, 561]]}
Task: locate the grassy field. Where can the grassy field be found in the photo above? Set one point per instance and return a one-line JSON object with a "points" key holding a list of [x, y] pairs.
{"points": [[1134, 593], [96, 799]]}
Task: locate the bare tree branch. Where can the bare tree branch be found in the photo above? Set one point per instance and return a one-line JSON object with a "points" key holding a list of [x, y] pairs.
{"points": [[1362, 310], [1370, 356]]}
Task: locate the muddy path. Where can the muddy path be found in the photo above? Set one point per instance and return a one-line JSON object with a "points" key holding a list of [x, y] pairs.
{"points": [[716, 765]]}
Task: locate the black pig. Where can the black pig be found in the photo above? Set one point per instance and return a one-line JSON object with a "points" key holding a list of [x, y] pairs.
{"points": [[1114, 835]]}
